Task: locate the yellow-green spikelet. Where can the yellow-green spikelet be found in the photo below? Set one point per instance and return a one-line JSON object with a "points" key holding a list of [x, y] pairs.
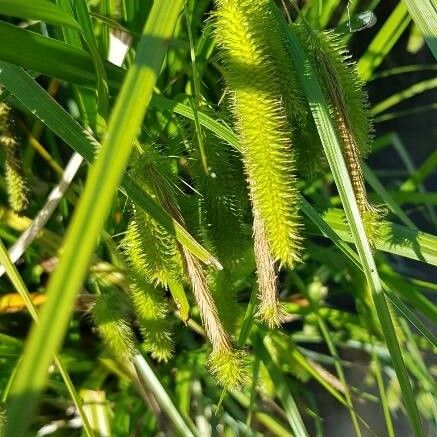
{"points": [[15, 181], [348, 104], [151, 309], [307, 148], [242, 34], [112, 325], [152, 250], [155, 261]]}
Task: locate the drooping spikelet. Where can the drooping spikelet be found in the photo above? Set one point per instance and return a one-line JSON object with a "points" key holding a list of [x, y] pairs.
{"points": [[155, 262], [15, 181], [242, 31], [225, 363], [164, 261], [151, 309], [111, 323], [3, 416], [221, 199], [307, 148], [348, 105], [269, 309], [152, 250]]}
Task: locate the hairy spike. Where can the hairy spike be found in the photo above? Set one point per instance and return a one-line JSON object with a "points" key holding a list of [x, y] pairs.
{"points": [[3, 417], [154, 258], [214, 329], [242, 33], [155, 182], [269, 309], [111, 324], [348, 105], [225, 363], [228, 367], [307, 148], [151, 249], [151, 309], [15, 181]]}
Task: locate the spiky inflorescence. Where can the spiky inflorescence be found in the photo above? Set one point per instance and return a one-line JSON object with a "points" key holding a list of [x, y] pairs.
{"points": [[154, 260], [152, 250], [269, 310], [160, 257], [225, 363], [151, 310], [111, 323], [307, 149], [242, 31], [3, 416], [15, 181], [348, 105]]}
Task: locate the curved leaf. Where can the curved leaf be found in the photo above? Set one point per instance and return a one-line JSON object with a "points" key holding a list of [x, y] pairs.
{"points": [[37, 10]]}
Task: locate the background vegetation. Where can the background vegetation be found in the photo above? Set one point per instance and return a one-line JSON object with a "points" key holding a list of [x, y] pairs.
{"points": [[128, 341]]}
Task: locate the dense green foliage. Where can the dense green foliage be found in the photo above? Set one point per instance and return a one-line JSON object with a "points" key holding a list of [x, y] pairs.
{"points": [[217, 292]]}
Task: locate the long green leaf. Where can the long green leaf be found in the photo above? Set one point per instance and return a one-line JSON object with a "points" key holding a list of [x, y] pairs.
{"points": [[333, 152], [88, 220], [84, 19], [149, 379], [383, 42], [392, 238], [66, 62], [424, 14], [43, 10], [44, 107], [405, 94], [375, 183]]}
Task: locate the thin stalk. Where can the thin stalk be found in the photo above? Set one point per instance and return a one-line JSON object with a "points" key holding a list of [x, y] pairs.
{"points": [[40, 220], [149, 379], [197, 94], [339, 369]]}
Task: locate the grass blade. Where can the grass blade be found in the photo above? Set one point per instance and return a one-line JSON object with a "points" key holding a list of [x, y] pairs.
{"points": [[84, 19], [43, 10], [383, 42], [91, 212], [396, 239], [405, 94], [404, 311], [149, 379], [424, 14], [282, 390], [67, 62], [374, 182]]}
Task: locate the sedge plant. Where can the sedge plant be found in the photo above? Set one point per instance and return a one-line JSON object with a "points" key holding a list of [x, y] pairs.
{"points": [[223, 290]]}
